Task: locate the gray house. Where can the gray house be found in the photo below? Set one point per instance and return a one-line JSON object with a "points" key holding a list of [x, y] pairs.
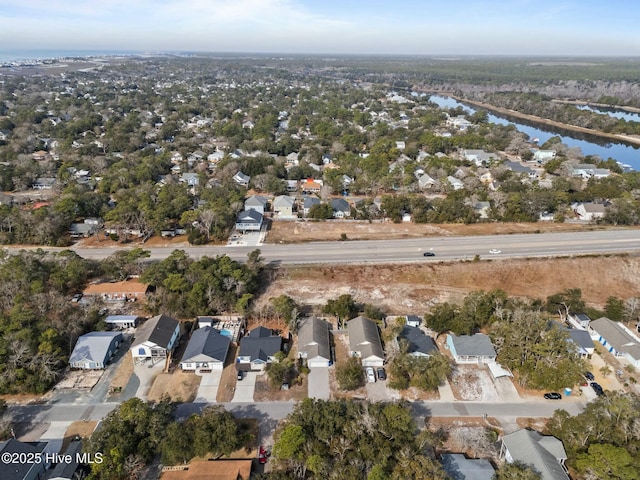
{"points": [[314, 342], [241, 179], [249, 220], [617, 339], [308, 202], [419, 343], [257, 203], [156, 338], [258, 349], [22, 470], [207, 349], [94, 350], [364, 342], [459, 467], [341, 208], [471, 348], [545, 454]]}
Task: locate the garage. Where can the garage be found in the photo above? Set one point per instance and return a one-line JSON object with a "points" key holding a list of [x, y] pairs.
{"points": [[318, 362]]}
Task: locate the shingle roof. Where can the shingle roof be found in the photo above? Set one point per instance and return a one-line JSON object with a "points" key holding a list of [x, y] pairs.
{"points": [[582, 338], [157, 330], [18, 469], [207, 344], [418, 341], [313, 338], [541, 452], [473, 345], [458, 467], [364, 337], [616, 336], [93, 346], [249, 216], [260, 344]]}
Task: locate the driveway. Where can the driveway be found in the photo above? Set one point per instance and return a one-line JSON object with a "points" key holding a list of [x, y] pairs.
{"points": [[208, 389], [506, 390], [145, 373], [245, 388], [319, 383], [377, 391]]}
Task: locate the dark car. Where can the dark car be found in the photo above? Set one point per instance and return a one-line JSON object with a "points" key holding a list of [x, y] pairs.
{"points": [[589, 376], [240, 374], [597, 388], [428, 254], [552, 396], [382, 375]]}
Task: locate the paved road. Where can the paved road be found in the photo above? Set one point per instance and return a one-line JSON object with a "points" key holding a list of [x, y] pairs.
{"points": [[411, 250]]}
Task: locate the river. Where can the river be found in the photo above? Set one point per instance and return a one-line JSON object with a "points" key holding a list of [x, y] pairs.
{"points": [[589, 145]]}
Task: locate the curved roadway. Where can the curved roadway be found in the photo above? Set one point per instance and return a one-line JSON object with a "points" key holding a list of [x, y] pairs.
{"points": [[411, 250]]}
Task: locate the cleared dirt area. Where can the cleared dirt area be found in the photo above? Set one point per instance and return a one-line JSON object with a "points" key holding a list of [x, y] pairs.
{"points": [[297, 232], [179, 386], [80, 429], [122, 375], [415, 288]]}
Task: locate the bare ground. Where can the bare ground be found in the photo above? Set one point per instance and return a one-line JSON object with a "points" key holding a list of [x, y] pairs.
{"points": [[122, 375], [179, 386], [415, 288]]}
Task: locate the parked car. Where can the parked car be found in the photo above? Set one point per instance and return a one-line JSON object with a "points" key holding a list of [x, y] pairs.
{"points": [[552, 396], [428, 254], [382, 374], [76, 298], [495, 251], [589, 376], [371, 375], [597, 388], [240, 374], [262, 455]]}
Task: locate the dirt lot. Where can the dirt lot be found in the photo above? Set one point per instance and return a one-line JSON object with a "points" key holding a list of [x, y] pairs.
{"points": [[180, 386], [122, 375], [80, 428], [282, 232], [415, 288]]}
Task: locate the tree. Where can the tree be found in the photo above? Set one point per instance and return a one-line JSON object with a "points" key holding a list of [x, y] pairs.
{"points": [[566, 302], [215, 432], [321, 211], [286, 308], [349, 374], [124, 263], [178, 444], [608, 461], [344, 307], [516, 471]]}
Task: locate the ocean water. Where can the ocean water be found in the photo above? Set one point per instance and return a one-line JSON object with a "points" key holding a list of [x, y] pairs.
{"points": [[28, 55]]}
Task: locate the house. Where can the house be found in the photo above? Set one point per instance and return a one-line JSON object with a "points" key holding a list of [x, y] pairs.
{"points": [[590, 211], [210, 469], [400, 145], [311, 186], [545, 454], [425, 182], [582, 341], [459, 467], [543, 156], [121, 321], [475, 348], [67, 469], [587, 170], [39, 155], [241, 179], [249, 220], [479, 157], [341, 208], [43, 183], [94, 350], [617, 339], [127, 290], [419, 343], [455, 183], [283, 206], [459, 122], [207, 350], [257, 203], [190, 178], [482, 209], [84, 230], [156, 338], [292, 186], [364, 342], [516, 167], [33, 470], [413, 320], [308, 202], [258, 349], [314, 342], [578, 320]]}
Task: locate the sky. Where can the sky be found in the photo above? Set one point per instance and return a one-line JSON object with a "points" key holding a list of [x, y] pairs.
{"points": [[392, 27]]}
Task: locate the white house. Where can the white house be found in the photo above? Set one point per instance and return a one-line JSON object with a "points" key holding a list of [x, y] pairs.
{"points": [[589, 211], [314, 342], [364, 342], [156, 338], [471, 349], [455, 183], [207, 350]]}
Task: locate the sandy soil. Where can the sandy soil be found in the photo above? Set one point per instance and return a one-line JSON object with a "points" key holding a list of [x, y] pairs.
{"points": [[415, 288], [122, 375], [180, 386]]}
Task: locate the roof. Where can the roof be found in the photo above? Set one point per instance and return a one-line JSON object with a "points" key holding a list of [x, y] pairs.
{"points": [[241, 177], [340, 204], [313, 338], [256, 201], [594, 207], [310, 201], [459, 467], [582, 338], [212, 470], [473, 345], [543, 453], [207, 342], [364, 337], [260, 344], [20, 469], [516, 167], [93, 346], [283, 201], [419, 342], [127, 286], [617, 336], [120, 318], [67, 469], [158, 330], [249, 216]]}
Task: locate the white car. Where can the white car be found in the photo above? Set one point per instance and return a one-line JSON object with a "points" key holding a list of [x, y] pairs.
{"points": [[495, 251], [371, 375]]}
